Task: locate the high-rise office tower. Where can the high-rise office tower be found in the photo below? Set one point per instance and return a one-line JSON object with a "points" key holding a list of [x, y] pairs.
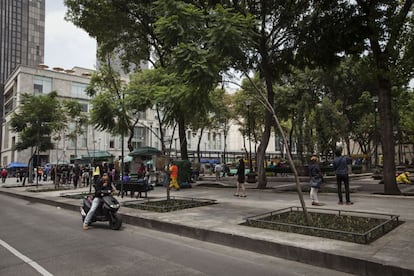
{"points": [[22, 38], [22, 35]]}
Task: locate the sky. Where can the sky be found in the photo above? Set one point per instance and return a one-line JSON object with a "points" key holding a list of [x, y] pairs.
{"points": [[66, 45]]}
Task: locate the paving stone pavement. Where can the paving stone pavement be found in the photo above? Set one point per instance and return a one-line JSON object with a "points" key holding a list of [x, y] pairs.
{"points": [[392, 254]]}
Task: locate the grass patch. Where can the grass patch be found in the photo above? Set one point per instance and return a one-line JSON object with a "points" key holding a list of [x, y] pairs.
{"points": [[169, 205], [358, 227]]}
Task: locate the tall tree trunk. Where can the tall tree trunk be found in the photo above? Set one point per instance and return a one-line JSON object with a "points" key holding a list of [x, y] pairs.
{"points": [[387, 137], [198, 144], [161, 130], [300, 127], [261, 150], [183, 138]]}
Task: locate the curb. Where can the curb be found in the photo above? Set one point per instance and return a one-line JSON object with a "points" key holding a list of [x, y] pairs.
{"points": [[308, 256]]}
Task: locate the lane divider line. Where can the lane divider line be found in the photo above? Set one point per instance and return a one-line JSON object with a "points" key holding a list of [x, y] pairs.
{"points": [[25, 259]]}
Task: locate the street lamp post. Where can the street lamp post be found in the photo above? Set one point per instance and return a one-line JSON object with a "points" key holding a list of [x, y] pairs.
{"points": [[39, 143], [150, 136], [37, 162], [248, 104], [225, 142], [175, 146], [375, 101], [251, 176]]}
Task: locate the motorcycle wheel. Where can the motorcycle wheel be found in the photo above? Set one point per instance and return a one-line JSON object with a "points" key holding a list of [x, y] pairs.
{"points": [[116, 222]]}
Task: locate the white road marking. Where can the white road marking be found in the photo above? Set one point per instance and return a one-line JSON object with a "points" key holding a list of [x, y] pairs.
{"points": [[25, 259]]}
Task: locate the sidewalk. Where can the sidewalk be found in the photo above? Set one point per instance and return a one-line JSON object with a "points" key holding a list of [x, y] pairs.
{"points": [[390, 255]]}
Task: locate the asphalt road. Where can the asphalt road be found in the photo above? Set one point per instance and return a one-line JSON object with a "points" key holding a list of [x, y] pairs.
{"points": [[38, 239]]}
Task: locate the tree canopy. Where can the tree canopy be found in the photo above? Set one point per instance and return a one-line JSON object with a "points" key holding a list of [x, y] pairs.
{"points": [[197, 42]]}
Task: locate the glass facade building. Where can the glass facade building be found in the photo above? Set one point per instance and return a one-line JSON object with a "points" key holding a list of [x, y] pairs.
{"points": [[22, 34], [22, 38]]}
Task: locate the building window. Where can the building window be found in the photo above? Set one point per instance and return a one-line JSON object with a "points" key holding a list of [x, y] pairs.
{"points": [[38, 88], [218, 140], [214, 141], [142, 115], [189, 139], [278, 144], [84, 142], [112, 144], [84, 107], [6, 135], [79, 90], [42, 85], [136, 145], [8, 108], [139, 133]]}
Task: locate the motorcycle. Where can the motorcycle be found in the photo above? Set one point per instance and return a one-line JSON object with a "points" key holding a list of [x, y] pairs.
{"points": [[106, 211]]}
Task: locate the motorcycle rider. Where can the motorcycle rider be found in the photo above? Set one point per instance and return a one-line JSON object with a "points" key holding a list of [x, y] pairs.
{"points": [[103, 184]]}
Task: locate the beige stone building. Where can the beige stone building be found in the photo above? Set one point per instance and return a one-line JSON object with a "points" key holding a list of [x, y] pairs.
{"points": [[71, 84]]}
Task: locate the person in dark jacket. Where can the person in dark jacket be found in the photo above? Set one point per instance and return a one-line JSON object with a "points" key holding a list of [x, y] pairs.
{"points": [[241, 179], [102, 185], [340, 165], [315, 180]]}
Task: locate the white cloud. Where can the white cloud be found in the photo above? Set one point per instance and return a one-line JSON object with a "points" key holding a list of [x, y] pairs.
{"points": [[66, 45]]}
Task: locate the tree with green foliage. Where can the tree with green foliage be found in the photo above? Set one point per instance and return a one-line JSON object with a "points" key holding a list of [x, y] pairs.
{"points": [[115, 106], [403, 110], [133, 32], [252, 36], [200, 41], [327, 119], [297, 95], [390, 28], [257, 111], [382, 30], [78, 119], [173, 99], [34, 126], [221, 114]]}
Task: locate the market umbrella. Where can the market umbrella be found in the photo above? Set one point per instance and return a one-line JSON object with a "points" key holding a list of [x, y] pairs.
{"points": [[144, 151], [16, 165], [128, 159]]}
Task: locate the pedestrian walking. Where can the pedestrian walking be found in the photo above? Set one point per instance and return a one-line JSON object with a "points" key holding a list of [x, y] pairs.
{"points": [[85, 176], [340, 165], [174, 176], [217, 170], [315, 180], [4, 174], [75, 175], [241, 179], [226, 170], [39, 173]]}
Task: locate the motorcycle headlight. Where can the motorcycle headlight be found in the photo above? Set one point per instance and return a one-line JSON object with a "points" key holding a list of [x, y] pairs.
{"points": [[114, 206]]}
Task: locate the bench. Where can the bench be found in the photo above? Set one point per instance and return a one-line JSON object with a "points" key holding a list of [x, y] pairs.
{"points": [[139, 186], [283, 171]]}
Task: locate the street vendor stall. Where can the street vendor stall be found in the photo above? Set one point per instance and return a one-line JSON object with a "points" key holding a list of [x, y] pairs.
{"points": [[150, 159]]}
